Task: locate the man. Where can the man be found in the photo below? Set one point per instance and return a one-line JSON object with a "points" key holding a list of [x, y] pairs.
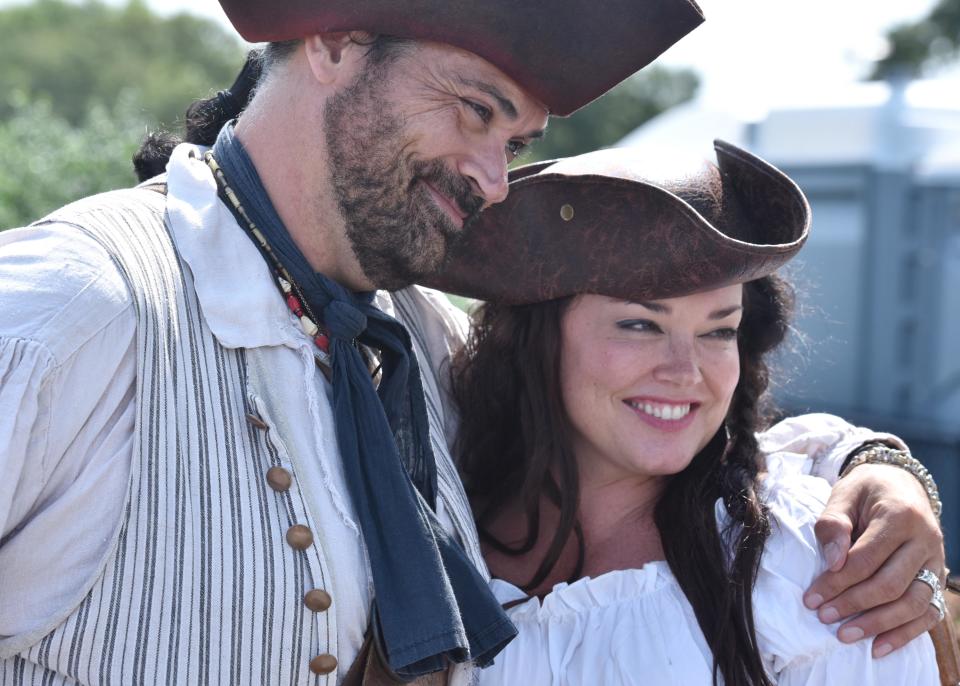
{"points": [[201, 483]]}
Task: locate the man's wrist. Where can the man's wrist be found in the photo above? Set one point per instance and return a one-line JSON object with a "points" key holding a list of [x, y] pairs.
{"points": [[876, 452]]}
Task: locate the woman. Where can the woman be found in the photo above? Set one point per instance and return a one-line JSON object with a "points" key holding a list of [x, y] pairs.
{"points": [[612, 392]]}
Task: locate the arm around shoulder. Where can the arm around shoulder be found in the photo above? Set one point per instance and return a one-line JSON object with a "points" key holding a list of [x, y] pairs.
{"points": [[796, 646]]}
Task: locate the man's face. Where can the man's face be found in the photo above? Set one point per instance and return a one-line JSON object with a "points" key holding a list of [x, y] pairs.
{"points": [[418, 146]]}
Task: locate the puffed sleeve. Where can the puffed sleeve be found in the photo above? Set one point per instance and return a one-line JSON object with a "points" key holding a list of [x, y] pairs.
{"points": [[797, 648], [25, 369], [67, 378], [816, 444]]}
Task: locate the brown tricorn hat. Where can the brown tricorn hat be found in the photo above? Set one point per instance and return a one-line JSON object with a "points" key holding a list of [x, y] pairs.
{"points": [[591, 224], [565, 53]]}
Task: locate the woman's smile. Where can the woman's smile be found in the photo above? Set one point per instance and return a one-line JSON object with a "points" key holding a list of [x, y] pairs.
{"points": [[663, 415], [646, 385]]}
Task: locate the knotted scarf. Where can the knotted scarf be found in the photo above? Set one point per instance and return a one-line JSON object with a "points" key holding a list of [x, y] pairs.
{"points": [[432, 606]]}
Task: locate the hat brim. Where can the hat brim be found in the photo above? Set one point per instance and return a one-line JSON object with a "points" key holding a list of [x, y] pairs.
{"points": [[565, 54], [562, 234]]}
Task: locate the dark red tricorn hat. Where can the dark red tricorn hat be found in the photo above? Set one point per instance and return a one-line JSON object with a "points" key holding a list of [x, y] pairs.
{"points": [[591, 224], [565, 53]]}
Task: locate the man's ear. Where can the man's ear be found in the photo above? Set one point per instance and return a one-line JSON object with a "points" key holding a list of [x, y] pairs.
{"points": [[328, 54]]}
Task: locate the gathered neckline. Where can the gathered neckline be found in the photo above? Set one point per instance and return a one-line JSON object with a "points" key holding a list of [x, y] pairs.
{"points": [[586, 593]]}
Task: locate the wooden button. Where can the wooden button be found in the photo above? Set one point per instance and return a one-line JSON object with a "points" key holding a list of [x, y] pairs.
{"points": [[317, 600], [323, 664], [299, 537], [566, 212], [257, 422], [279, 479]]}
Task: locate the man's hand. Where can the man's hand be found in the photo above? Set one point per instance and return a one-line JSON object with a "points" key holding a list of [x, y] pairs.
{"points": [[877, 531]]}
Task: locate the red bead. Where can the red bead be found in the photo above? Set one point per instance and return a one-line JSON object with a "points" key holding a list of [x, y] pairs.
{"points": [[322, 342], [294, 305]]}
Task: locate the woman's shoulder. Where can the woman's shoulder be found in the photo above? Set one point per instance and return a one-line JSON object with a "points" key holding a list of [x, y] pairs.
{"points": [[790, 562], [794, 502], [791, 638]]}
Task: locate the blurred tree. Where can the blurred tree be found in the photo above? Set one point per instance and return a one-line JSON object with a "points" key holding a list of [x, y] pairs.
{"points": [[80, 85], [46, 162], [932, 40], [79, 55], [614, 115]]}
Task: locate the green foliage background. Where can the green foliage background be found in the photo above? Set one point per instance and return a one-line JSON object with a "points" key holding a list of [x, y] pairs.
{"points": [[81, 55], [82, 82], [930, 42], [45, 161], [613, 116]]}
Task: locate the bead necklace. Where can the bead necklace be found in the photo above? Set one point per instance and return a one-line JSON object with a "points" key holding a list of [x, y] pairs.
{"points": [[292, 293]]}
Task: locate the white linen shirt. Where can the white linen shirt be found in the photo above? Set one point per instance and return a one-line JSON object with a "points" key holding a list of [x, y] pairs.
{"points": [[635, 627], [67, 388]]}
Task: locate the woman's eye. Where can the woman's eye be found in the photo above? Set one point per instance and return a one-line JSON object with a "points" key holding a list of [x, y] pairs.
{"points": [[724, 334], [485, 113], [644, 325]]}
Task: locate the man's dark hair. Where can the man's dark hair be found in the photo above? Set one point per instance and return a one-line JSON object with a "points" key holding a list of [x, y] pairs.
{"points": [[204, 118]]}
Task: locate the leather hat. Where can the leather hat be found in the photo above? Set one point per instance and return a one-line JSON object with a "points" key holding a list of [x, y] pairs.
{"points": [[565, 53], [591, 224]]}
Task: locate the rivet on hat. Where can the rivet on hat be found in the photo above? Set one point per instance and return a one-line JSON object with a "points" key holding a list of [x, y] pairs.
{"points": [[566, 213]]}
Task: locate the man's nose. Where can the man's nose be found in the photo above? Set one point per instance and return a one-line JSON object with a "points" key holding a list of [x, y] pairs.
{"points": [[486, 167]]}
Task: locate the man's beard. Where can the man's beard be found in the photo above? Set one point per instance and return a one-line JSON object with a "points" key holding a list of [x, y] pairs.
{"points": [[395, 228]]}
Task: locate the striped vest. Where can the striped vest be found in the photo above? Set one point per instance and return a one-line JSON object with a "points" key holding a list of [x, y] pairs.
{"points": [[203, 585]]}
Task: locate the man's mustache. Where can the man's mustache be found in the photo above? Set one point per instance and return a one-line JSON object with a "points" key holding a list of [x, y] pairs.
{"points": [[456, 187]]}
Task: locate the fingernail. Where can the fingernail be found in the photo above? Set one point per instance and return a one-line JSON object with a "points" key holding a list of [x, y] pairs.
{"points": [[829, 615], [832, 554], [850, 634], [813, 601], [882, 649]]}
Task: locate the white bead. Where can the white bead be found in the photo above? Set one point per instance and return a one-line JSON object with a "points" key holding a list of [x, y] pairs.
{"points": [[308, 326], [284, 285]]}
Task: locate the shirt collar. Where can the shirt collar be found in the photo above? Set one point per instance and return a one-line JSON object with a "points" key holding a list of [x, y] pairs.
{"points": [[238, 296]]}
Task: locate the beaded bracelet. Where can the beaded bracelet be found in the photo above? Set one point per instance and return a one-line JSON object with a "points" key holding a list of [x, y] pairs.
{"points": [[882, 454]]}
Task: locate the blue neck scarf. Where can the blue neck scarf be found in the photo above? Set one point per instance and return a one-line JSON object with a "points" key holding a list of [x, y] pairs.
{"points": [[432, 606]]}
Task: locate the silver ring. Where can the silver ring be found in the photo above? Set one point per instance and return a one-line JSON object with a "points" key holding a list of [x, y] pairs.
{"points": [[940, 604], [932, 580]]}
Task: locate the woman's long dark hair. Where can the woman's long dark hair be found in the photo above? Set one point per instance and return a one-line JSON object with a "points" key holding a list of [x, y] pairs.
{"points": [[513, 444]]}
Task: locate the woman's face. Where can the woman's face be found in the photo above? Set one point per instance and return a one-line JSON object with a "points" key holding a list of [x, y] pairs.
{"points": [[646, 385]]}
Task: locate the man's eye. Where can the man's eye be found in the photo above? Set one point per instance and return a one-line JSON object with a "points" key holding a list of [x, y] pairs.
{"points": [[485, 113], [514, 148]]}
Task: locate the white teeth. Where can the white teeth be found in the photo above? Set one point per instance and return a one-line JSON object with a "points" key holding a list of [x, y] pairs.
{"points": [[669, 412]]}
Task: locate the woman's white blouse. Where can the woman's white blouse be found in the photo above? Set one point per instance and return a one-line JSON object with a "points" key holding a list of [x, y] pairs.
{"points": [[635, 626]]}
